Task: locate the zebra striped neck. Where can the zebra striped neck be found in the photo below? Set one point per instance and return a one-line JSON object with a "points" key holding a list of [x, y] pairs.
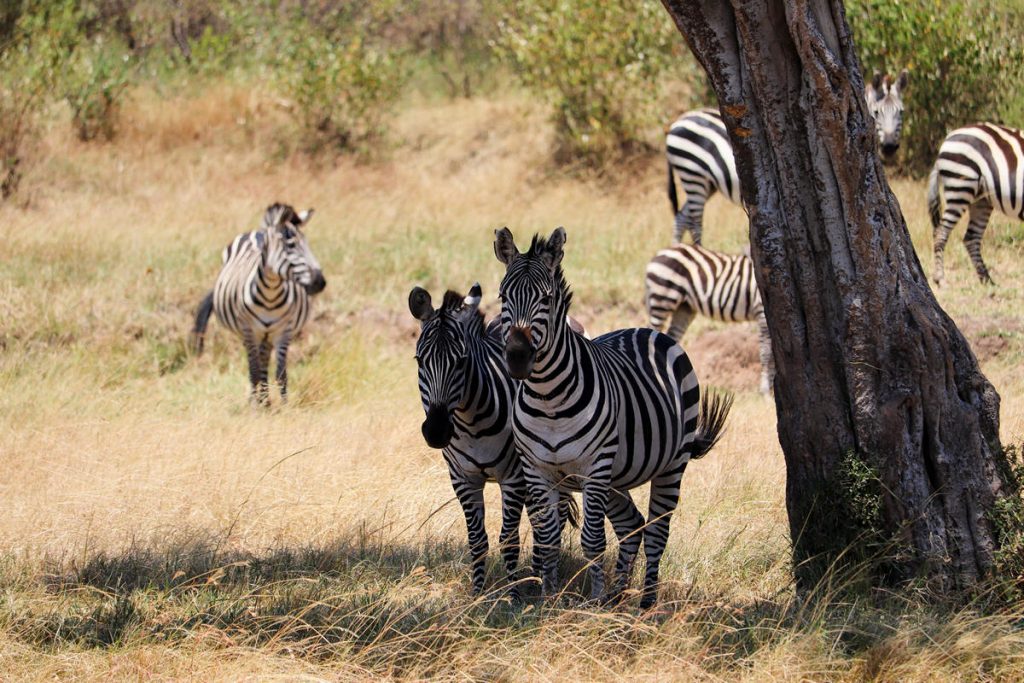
{"points": [[561, 346]]}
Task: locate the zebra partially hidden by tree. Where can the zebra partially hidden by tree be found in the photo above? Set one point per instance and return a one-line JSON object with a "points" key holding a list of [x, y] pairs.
{"points": [[687, 279], [979, 168], [467, 397], [262, 294], [601, 416], [700, 154]]}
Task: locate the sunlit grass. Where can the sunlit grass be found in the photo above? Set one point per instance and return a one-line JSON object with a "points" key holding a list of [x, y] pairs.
{"points": [[155, 525]]}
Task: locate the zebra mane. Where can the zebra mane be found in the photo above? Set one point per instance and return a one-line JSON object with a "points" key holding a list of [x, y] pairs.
{"points": [[278, 213], [537, 247], [453, 304]]}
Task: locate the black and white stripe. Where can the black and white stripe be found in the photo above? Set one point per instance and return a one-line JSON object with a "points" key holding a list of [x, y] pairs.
{"points": [[701, 156], [262, 293], [467, 397], [686, 279], [601, 416], [980, 168]]}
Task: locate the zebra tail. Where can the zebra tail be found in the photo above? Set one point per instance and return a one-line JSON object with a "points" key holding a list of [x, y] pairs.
{"points": [[202, 318], [673, 198], [934, 201], [570, 508], [714, 408]]}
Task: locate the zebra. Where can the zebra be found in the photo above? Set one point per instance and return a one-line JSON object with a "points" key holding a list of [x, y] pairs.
{"points": [[686, 279], [700, 154], [467, 397], [262, 294], [979, 167], [601, 416]]}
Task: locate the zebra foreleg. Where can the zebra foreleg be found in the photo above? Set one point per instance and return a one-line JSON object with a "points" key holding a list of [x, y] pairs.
{"points": [[978, 215], [281, 365], [259, 358], [471, 496], [765, 352], [512, 494], [940, 235], [628, 524], [595, 504], [664, 498], [542, 505]]}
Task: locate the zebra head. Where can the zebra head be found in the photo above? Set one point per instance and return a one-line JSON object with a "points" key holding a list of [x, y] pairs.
{"points": [[885, 103], [443, 357], [286, 250], [533, 296]]}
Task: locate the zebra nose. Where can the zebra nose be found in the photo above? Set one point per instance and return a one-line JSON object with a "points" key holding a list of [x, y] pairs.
{"points": [[437, 428], [519, 353], [317, 283], [889, 148]]}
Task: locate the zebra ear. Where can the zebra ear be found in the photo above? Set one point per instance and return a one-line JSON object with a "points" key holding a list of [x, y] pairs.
{"points": [[902, 81], [472, 300], [304, 216], [876, 81], [505, 246], [554, 249], [419, 304]]}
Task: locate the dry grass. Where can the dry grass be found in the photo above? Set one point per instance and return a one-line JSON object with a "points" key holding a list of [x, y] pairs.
{"points": [[155, 527]]}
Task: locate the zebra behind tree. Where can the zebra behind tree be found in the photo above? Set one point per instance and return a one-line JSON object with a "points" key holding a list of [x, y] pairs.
{"points": [[602, 416], [979, 168], [467, 398], [262, 294], [686, 279], [701, 155]]}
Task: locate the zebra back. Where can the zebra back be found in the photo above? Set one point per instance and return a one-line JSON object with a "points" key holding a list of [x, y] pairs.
{"points": [[720, 286]]}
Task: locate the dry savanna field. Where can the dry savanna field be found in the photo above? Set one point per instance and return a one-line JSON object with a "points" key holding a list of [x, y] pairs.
{"points": [[156, 527]]}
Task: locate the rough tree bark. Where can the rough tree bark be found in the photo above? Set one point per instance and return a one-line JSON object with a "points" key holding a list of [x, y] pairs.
{"points": [[869, 366]]}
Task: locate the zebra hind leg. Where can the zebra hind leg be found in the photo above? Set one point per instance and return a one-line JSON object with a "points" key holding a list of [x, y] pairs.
{"points": [[628, 524], [978, 215], [664, 498], [765, 352], [681, 319], [940, 235]]}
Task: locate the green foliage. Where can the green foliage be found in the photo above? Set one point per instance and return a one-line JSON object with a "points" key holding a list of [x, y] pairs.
{"points": [[32, 60], [962, 66], [93, 85], [341, 88], [601, 64]]}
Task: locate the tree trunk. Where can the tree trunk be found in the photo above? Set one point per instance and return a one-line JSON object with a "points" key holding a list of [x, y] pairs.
{"points": [[872, 375]]}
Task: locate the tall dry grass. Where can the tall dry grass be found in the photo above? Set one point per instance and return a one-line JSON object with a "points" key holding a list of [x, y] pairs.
{"points": [[156, 527]]}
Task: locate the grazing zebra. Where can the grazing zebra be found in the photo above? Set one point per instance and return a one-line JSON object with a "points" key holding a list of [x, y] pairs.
{"points": [[262, 294], [601, 416], [700, 154], [467, 397], [686, 279], [979, 168]]}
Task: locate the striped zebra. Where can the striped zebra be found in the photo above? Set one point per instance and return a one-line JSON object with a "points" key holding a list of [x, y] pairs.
{"points": [[601, 416], [686, 279], [700, 154], [262, 294], [467, 397], [979, 168]]}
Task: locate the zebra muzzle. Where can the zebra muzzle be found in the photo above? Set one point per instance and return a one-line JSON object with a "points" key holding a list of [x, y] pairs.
{"points": [[317, 283], [437, 428], [519, 353]]}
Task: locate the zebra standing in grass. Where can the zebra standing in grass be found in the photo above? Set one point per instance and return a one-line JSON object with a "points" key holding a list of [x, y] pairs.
{"points": [[686, 279], [263, 293], [700, 154], [979, 168], [467, 397], [601, 416]]}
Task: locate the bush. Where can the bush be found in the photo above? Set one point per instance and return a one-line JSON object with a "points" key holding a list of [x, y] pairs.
{"points": [[603, 65], [93, 84], [341, 89], [961, 65]]}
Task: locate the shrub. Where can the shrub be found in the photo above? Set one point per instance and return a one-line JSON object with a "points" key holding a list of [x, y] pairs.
{"points": [[603, 66], [961, 65], [93, 84], [341, 88]]}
